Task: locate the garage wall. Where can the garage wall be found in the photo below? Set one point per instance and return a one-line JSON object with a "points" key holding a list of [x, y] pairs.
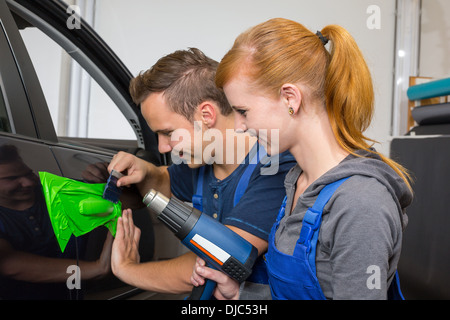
{"points": [[435, 39], [142, 31]]}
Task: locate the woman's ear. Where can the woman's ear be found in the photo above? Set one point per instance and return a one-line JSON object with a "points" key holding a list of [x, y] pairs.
{"points": [[292, 96]]}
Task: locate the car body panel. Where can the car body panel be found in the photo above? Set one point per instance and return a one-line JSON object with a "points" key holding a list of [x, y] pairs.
{"points": [[28, 130]]}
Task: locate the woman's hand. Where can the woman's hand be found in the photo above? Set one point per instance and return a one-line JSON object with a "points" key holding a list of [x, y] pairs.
{"points": [[227, 288]]}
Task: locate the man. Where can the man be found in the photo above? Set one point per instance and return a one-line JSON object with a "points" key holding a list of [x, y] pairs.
{"points": [[194, 121]]}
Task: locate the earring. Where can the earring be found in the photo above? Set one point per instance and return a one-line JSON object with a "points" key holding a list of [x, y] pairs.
{"points": [[291, 111]]}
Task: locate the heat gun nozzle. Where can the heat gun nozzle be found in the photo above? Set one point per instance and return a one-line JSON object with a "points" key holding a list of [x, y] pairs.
{"points": [[155, 201], [177, 215]]}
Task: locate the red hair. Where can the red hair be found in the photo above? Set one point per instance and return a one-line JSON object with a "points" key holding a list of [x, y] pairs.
{"points": [[281, 51]]}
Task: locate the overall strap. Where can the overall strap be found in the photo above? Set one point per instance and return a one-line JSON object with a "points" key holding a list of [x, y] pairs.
{"points": [[312, 220], [282, 210], [245, 178], [394, 290], [197, 198], [259, 274]]}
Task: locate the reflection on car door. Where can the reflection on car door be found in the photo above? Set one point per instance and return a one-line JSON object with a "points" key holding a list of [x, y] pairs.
{"points": [[31, 264]]}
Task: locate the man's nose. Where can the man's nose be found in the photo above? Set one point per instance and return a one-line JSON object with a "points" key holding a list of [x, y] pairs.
{"points": [[164, 144]]}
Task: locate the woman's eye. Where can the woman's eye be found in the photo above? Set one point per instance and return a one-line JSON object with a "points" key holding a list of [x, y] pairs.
{"points": [[242, 112]]}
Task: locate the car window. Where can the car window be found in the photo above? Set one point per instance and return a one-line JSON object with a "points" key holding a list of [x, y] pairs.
{"points": [[5, 126], [79, 107]]}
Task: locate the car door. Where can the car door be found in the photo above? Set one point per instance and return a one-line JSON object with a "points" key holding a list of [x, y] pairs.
{"points": [[22, 156], [28, 145]]}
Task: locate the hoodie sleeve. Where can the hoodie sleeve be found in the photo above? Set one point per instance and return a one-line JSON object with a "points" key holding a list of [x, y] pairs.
{"points": [[360, 241]]}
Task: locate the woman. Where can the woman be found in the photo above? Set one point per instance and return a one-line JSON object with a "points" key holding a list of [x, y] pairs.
{"points": [[280, 75]]}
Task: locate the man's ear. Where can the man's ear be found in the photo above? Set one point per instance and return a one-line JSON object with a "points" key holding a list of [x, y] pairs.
{"points": [[208, 113], [292, 96]]}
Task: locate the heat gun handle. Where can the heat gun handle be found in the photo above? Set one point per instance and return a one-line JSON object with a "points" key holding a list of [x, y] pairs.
{"points": [[203, 292]]}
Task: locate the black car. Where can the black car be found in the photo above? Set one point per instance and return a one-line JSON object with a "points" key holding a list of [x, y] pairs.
{"points": [[29, 144]]}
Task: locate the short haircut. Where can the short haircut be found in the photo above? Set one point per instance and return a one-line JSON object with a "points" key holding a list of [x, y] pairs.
{"points": [[186, 77]]}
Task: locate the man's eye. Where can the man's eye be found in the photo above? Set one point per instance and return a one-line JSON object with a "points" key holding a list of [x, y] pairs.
{"points": [[166, 133], [241, 112]]}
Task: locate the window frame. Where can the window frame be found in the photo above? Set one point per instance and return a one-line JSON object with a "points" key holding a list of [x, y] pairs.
{"points": [[14, 94], [90, 52]]}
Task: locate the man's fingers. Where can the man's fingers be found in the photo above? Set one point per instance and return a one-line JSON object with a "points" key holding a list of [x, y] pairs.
{"points": [[126, 224], [131, 227], [137, 234], [116, 161], [119, 230], [121, 162], [130, 231]]}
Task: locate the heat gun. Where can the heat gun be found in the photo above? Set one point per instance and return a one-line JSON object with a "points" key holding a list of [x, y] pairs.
{"points": [[219, 246]]}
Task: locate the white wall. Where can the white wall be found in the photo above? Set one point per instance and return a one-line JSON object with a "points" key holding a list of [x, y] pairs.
{"points": [[435, 39], [142, 31]]}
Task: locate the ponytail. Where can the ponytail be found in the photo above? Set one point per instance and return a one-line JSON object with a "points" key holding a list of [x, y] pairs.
{"points": [[349, 96], [348, 89], [281, 51]]}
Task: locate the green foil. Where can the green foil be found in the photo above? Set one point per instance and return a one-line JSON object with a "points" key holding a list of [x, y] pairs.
{"points": [[76, 207]]}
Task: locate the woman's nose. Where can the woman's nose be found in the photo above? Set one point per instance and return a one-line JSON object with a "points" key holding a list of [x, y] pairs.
{"points": [[239, 123]]}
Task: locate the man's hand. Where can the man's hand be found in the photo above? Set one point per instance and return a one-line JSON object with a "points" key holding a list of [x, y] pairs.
{"points": [[125, 249], [143, 174], [135, 169]]}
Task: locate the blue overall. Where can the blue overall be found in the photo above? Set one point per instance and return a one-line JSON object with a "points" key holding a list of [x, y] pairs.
{"points": [[197, 198], [259, 274], [293, 277]]}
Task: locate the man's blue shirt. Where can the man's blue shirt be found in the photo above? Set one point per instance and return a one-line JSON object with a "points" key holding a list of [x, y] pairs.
{"points": [[257, 209]]}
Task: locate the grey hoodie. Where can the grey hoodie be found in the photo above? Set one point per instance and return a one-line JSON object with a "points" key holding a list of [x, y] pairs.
{"points": [[361, 233]]}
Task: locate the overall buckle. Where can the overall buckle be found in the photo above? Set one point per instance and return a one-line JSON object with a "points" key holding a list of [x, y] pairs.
{"points": [[310, 224]]}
